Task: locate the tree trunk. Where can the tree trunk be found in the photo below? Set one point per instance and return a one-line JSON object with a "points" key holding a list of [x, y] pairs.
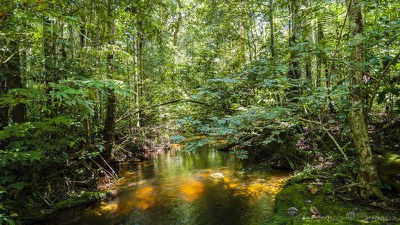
{"points": [[177, 23], [367, 176], [49, 50], [294, 70], [271, 32], [18, 112], [10, 76], [109, 123], [140, 64], [294, 36], [320, 55], [3, 110]]}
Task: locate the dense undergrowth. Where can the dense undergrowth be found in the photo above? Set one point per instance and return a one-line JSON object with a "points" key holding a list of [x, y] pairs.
{"points": [[305, 85]]}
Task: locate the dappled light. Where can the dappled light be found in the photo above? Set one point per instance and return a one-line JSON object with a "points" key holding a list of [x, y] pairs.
{"points": [[158, 112], [260, 187], [214, 183]]}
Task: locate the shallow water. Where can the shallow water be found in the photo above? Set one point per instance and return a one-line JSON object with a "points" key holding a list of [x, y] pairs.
{"points": [[175, 187]]}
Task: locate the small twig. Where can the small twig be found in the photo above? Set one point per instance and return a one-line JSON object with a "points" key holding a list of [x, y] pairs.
{"points": [[344, 23], [108, 173], [330, 136], [115, 176], [12, 55], [50, 205], [340, 36]]}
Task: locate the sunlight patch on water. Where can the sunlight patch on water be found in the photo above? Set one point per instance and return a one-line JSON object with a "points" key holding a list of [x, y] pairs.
{"points": [[145, 197], [192, 190], [177, 146], [110, 207]]}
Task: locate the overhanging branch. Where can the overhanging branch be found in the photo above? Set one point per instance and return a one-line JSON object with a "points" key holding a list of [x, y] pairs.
{"points": [[162, 104]]}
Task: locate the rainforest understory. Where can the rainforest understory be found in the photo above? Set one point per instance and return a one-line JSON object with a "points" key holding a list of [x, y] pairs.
{"points": [[311, 87]]}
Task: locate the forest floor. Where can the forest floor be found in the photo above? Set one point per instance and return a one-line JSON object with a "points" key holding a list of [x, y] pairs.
{"points": [[322, 196], [315, 205]]}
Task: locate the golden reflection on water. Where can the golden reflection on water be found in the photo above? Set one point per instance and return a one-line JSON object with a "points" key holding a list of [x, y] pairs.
{"points": [[193, 187], [108, 207], [144, 197], [177, 146], [192, 190], [258, 187]]}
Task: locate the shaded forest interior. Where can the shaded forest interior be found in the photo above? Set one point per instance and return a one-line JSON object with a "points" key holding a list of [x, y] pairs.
{"points": [[299, 84]]}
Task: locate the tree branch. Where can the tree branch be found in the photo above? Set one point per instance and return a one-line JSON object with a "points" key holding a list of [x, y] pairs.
{"points": [[162, 104]]}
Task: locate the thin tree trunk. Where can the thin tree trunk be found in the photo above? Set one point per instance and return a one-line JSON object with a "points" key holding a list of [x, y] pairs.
{"points": [[242, 51], [308, 68], [320, 55], [271, 32], [367, 176], [309, 58], [49, 44], [140, 64], [136, 79], [178, 23]]}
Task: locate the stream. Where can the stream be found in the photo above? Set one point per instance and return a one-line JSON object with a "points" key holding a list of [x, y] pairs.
{"points": [[207, 187]]}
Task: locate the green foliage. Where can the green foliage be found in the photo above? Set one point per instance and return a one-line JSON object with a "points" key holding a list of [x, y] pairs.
{"points": [[71, 59], [177, 138], [80, 199], [3, 219], [192, 146], [241, 154]]}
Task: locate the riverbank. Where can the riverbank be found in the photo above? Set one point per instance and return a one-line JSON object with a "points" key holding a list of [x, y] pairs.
{"points": [[36, 214], [311, 201]]}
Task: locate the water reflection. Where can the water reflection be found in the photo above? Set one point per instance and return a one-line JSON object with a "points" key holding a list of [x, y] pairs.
{"points": [[192, 190], [175, 187]]}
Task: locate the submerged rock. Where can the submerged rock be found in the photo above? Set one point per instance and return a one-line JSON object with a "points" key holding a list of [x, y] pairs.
{"points": [[216, 176]]}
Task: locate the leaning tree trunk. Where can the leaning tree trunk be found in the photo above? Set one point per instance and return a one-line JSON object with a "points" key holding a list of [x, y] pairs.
{"points": [[367, 176]]}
